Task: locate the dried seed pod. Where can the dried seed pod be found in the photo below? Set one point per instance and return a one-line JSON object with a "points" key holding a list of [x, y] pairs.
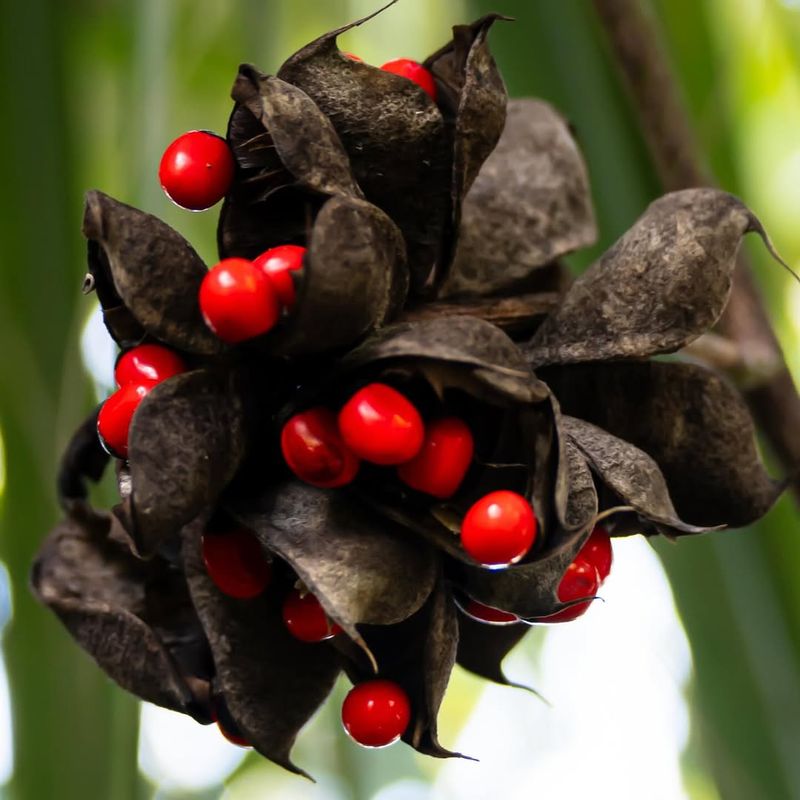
{"points": [[529, 206], [133, 617], [271, 684], [660, 286], [154, 270], [382, 185]]}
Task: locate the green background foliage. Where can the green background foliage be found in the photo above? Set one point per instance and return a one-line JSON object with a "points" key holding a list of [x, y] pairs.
{"points": [[92, 90]]}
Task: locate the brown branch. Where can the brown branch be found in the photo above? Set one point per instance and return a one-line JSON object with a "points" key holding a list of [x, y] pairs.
{"points": [[638, 51]]}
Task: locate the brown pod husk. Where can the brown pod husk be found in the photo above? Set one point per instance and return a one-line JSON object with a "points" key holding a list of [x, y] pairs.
{"points": [[419, 655], [272, 683], [186, 442], [303, 137], [482, 648], [83, 459], [395, 137], [629, 472], [133, 617], [154, 270], [362, 569], [354, 279], [467, 72], [264, 207], [473, 98], [660, 286], [461, 351], [290, 161], [692, 423], [529, 206], [575, 496]]}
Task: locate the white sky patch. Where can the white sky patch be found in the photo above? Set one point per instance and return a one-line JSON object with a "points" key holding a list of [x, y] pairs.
{"points": [[6, 730], [619, 720], [408, 789], [99, 353], [175, 752]]}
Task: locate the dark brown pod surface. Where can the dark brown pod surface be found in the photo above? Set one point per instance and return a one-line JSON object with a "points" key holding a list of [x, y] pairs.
{"points": [[361, 568], [110, 603], [482, 648], [272, 682], [629, 472], [659, 287], [187, 440], [691, 422], [155, 271], [83, 459], [303, 137], [355, 278], [484, 357], [395, 137], [530, 205]]}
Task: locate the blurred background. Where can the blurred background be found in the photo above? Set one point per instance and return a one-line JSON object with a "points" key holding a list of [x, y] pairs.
{"points": [[684, 683]]}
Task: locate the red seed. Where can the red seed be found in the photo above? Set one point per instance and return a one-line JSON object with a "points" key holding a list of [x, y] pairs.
{"points": [[277, 264], [381, 425], [116, 415], [148, 362], [443, 461], [376, 713], [414, 71], [237, 301], [196, 170], [306, 619], [580, 580], [488, 614], [499, 529], [236, 563], [597, 551], [314, 450]]}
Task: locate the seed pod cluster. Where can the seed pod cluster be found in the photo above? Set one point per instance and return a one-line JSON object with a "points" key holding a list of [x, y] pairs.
{"points": [[409, 465]]}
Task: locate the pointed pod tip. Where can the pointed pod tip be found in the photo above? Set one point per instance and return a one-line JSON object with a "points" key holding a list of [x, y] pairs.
{"points": [[358, 639], [92, 227]]}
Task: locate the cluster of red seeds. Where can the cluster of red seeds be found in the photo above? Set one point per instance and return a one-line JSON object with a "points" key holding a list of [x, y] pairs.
{"points": [[380, 425], [242, 299], [137, 372]]}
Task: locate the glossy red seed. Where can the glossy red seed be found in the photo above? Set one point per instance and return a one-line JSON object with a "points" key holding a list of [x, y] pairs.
{"points": [[414, 71], [488, 614], [148, 362], [381, 425], [597, 551], [499, 529], [376, 713], [237, 301], [580, 580], [236, 563], [277, 264], [306, 619], [116, 414], [313, 449], [196, 170], [443, 461]]}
